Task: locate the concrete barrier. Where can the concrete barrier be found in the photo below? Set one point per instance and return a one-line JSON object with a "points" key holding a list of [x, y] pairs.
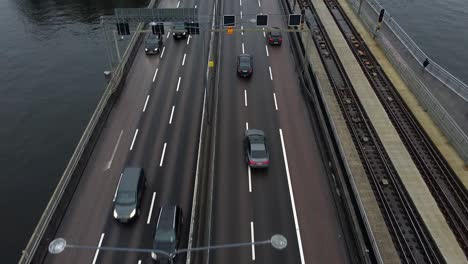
{"points": [[45, 231]]}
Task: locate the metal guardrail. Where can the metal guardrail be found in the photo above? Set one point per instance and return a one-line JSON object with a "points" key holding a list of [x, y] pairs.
{"points": [[50, 215], [368, 13], [435, 69]]}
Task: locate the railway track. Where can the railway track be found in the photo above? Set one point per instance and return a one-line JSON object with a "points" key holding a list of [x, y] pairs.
{"points": [[448, 191], [410, 236]]}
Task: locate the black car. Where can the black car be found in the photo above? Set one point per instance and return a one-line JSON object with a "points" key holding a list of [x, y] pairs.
{"points": [[129, 194], [179, 31], [153, 44], [244, 65], [256, 153], [166, 235], [274, 37]]}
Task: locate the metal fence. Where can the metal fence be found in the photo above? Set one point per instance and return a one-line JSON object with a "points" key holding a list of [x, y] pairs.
{"points": [[404, 54]]}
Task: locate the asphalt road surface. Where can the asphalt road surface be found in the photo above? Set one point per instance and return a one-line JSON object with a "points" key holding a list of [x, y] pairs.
{"points": [[154, 125], [292, 197]]}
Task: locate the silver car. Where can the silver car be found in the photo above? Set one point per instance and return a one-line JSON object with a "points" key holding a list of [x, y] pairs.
{"points": [[256, 153]]}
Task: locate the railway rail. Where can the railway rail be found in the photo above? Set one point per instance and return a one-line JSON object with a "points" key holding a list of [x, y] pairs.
{"points": [[447, 189], [412, 240]]}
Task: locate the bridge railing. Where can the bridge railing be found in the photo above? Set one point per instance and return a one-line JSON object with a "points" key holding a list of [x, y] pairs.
{"points": [[49, 222], [404, 54]]}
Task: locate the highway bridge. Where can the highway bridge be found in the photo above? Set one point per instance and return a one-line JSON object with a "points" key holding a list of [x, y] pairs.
{"points": [[336, 180]]}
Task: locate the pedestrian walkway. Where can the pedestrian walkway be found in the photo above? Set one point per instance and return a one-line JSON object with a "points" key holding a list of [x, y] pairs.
{"points": [[406, 169]]}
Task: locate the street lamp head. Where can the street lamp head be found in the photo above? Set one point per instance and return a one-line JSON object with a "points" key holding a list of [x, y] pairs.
{"points": [[57, 246], [278, 241]]}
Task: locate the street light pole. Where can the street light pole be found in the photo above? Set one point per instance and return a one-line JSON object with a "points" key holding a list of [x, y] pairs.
{"points": [[277, 241]]}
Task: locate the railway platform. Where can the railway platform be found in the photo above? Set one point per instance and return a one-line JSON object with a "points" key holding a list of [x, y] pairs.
{"points": [[398, 154]]}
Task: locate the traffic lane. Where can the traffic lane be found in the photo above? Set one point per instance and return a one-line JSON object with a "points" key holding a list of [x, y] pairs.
{"points": [[270, 193], [317, 213], [87, 213], [148, 145], [155, 129], [231, 212], [174, 173]]}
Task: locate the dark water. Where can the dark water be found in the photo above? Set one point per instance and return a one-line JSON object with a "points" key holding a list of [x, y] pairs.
{"points": [[51, 77], [440, 28], [51, 64]]}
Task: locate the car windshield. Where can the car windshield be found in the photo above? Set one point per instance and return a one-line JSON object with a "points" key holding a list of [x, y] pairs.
{"points": [[152, 40], [258, 154], [244, 62], [125, 197], [275, 34], [165, 236]]}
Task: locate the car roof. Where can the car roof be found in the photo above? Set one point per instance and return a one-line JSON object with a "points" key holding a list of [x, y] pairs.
{"points": [[130, 178], [167, 216], [244, 55], [252, 132]]}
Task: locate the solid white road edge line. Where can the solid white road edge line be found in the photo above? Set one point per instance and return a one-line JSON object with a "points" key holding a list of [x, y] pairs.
{"points": [[155, 73], [178, 82], [271, 75], [162, 156], [291, 194], [118, 184], [134, 137], [253, 239], [115, 149], [183, 60], [151, 209], [172, 113], [266, 49], [195, 191], [164, 48], [276, 104], [146, 102], [97, 250]]}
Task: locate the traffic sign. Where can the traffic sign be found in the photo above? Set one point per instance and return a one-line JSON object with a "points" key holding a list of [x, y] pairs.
{"points": [[262, 20], [157, 28], [294, 20], [229, 20], [123, 29]]}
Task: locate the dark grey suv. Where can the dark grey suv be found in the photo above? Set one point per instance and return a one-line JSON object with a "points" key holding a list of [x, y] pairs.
{"points": [[178, 30], [166, 235], [129, 194]]}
